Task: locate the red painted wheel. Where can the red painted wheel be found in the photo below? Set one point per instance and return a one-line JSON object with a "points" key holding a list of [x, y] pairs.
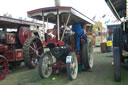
{"points": [[32, 50], [3, 67]]}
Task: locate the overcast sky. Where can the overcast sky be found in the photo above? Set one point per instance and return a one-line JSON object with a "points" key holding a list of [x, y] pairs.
{"points": [[19, 8]]}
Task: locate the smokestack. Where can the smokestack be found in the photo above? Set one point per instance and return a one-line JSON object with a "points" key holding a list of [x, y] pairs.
{"points": [[57, 2]]}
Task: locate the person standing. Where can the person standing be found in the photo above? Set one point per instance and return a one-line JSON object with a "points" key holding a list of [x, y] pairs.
{"points": [[78, 33]]}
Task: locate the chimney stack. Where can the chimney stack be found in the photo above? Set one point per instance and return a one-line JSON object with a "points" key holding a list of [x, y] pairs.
{"points": [[57, 2]]}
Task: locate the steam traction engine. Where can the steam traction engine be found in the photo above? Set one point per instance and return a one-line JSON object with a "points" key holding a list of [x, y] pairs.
{"points": [[17, 44], [62, 53]]}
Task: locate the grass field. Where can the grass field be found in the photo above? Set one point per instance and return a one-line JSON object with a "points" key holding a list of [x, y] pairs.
{"points": [[102, 74]]}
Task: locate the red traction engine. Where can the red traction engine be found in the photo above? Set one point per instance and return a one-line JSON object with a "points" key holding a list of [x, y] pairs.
{"points": [[62, 53], [17, 45]]}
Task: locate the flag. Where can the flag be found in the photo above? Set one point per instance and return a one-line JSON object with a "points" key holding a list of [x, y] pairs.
{"points": [[103, 15], [94, 18]]}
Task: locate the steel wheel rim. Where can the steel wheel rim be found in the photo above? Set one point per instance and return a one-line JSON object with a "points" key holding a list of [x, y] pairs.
{"points": [[46, 69], [74, 66]]}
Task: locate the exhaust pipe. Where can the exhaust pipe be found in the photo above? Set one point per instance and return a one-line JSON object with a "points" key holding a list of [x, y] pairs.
{"points": [[57, 2]]}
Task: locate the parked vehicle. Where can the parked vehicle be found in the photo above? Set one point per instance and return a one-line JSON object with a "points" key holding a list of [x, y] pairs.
{"points": [[62, 53], [17, 45]]}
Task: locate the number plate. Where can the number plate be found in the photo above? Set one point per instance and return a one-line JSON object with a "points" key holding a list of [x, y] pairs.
{"points": [[68, 59]]}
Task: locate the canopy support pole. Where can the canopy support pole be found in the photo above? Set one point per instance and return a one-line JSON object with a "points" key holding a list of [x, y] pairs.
{"points": [[58, 25], [114, 9], [65, 26]]}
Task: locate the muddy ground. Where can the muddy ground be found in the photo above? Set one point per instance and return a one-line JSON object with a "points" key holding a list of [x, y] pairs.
{"points": [[101, 74]]}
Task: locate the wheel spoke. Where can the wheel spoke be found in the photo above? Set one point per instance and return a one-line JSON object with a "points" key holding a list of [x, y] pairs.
{"points": [[38, 48], [32, 48], [34, 45], [31, 53]]}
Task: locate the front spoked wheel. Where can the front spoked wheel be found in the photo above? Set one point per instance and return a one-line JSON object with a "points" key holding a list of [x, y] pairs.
{"points": [[44, 65], [72, 65]]}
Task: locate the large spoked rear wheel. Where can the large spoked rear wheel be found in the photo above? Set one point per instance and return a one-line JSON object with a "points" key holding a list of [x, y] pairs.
{"points": [[87, 55], [32, 50], [3, 67], [117, 74], [44, 65], [72, 65]]}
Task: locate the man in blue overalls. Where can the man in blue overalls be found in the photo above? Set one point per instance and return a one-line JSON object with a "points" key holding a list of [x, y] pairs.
{"points": [[78, 33]]}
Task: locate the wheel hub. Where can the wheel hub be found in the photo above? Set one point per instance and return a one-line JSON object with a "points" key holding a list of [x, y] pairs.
{"points": [[37, 52], [73, 65]]}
